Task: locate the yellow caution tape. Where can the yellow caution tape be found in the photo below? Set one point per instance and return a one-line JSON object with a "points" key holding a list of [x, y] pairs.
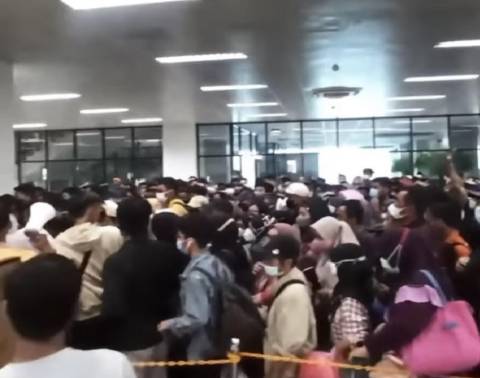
{"points": [[236, 358]]}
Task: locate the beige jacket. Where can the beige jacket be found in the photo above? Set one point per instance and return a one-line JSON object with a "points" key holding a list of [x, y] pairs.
{"points": [[103, 241], [291, 326]]}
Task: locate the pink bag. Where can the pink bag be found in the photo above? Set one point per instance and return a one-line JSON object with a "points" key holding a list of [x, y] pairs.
{"points": [[450, 344], [318, 370]]}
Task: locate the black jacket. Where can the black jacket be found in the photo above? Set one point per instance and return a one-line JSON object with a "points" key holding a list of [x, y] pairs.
{"points": [[141, 288]]}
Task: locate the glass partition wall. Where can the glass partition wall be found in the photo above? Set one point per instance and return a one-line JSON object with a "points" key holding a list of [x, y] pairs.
{"points": [[329, 148], [56, 159]]}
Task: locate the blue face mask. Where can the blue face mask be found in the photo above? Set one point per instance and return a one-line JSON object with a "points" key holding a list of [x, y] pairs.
{"points": [[181, 246]]}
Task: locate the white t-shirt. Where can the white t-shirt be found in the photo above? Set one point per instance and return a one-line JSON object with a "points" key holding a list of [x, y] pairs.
{"points": [[73, 363]]}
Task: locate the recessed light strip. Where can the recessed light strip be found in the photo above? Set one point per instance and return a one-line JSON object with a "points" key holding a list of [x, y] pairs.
{"points": [[104, 111], [407, 122], [417, 98], [50, 97], [142, 120], [97, 4], [201, 58], [458, 44], [219, 88], [252, 104], [37, 125], [269, 115], [406, 110], [423, 79]]}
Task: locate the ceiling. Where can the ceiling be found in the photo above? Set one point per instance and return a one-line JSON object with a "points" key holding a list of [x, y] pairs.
{"points": [[108, 56]]}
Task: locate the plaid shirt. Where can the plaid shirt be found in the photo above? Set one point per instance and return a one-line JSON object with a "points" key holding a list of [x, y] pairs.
{"points": [[350, 322]]}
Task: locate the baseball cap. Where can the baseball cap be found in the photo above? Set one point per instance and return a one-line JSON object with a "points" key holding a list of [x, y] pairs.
{"points": [[283, 247], [298, 189]]}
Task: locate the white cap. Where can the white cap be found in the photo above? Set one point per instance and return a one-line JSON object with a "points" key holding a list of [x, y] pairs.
{"points": [[298, 189], [110, 208], [196, 202], [40, 214]]}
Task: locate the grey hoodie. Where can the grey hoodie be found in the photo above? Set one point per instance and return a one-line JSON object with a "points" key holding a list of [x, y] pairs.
{"points": [[102, 241]]}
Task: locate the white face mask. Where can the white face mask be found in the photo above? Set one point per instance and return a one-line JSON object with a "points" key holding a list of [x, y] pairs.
{"points": [[248, 235], [271, 271], [162, 197], [373, 192], [181, 246], [472, 203], [477, 214]]}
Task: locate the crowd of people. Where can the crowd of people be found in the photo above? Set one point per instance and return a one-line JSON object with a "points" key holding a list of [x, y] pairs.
{"points": [[97, 278]]}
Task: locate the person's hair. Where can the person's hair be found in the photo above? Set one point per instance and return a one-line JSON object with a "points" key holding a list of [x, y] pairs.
{"points": [[198, 227], [26, 188], [417, 196], [354, 210], [199, 190], [170, 183], [382, 181], [221, 205], [165, 227], [449, 212], [368, 171], [42, 296], [308, 234], [133, 215], [78, 206], [288, 247], [4, 218], [224, 236]]}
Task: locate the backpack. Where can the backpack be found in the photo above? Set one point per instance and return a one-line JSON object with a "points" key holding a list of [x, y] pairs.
{"points": [[236, 317]]}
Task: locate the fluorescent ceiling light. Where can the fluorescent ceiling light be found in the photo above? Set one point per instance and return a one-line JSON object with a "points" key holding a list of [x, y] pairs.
{"points": [[104, 111], [88, 134], [407, 122], [216, 88], [142, 120], [269, 115], [252, 104], [37, 125], [406, 110], [456, 44], [422, 79], [50, 97], [149, 140], [200, 58], [115, 137], [419, 98], [97, 4]]}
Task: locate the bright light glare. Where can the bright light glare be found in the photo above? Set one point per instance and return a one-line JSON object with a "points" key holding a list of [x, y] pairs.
{"points": [[104, 111], [407, 122], [269, 115], [50, 97], [142, 120], [422, 79], [252, 104], [416, 98], [217, 88], [97, 4], [406, 110], [456, 44], [38, 125], [200, 58]]}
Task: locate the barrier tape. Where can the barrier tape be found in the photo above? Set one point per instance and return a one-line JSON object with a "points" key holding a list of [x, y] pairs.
{"points": [[234, 359]]}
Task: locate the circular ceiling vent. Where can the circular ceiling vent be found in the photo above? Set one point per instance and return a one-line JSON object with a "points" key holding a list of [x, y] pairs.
{"points": [[336, 92]]}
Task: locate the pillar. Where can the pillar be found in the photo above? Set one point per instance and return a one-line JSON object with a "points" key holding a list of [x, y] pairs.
{"points": [[8, 169]]}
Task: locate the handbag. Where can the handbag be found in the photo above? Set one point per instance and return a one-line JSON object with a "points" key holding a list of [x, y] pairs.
{"points": [[451, 342]]}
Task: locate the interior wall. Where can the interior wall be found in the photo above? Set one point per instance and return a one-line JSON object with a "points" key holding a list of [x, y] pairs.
{"points": [[179, 149], [8, 173]]}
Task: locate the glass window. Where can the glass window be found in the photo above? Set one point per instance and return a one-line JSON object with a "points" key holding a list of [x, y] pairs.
{"points": [[430, 133], [289, 165], [89, 144], [118, 143], [430, 163], [356, 133], [393, 134], [33, 172], [214, 140], [32, 146], [284, 138], [250, 138], [147, 169], [216, 169], [89, 171], [60, 145], [118, 168], [401, 163], [61, 175], [319, 134], [464, 132], [148, 142]]}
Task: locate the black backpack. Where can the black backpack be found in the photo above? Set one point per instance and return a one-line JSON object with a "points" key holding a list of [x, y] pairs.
{"points": [[237, 317]]}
